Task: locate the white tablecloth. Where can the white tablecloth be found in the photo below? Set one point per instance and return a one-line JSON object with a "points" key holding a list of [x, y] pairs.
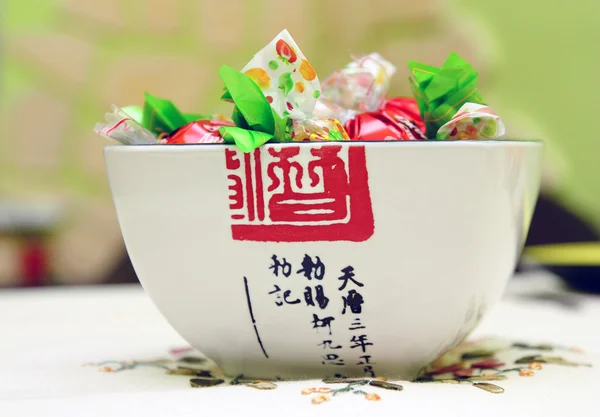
{"points": [[47, 334]]}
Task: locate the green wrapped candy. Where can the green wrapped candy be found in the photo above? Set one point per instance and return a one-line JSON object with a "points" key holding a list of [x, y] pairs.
{"points": [[441, 92], [161, 116], [136, 113], [250, 102], [246, 140], [283, 128], [255, 121]]}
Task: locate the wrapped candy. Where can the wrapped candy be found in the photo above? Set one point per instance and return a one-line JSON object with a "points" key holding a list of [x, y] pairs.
{"points": [[473, 121], [255, 120], [383, 125], [278, 97], [200, 131], [440, 92], [161, 116], [246, 140], [285, 76], [361, 86], [406, 108], [159, 121], [124, 128], [397, 119], [275, 95], [313, 130], [330, 110], [356, 95]]}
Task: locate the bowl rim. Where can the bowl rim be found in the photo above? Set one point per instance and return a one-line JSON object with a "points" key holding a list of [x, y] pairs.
{"points": [[457, 143]]}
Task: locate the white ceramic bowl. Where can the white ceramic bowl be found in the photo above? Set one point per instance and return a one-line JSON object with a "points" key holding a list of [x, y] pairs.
{"points": [[323, 259]]}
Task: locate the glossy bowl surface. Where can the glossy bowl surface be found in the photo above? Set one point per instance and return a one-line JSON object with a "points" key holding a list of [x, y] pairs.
{"points": [[324, 259]]}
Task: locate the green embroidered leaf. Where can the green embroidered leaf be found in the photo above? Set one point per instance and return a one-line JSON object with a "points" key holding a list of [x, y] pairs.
{"points": [[262, 385], [477, 354], [494, 389], [205, 382], [386, 385]]}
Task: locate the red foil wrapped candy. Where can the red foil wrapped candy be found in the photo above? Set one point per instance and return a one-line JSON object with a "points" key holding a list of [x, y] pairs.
{"points": [[200, 131], [398, 119], [407, 108]]}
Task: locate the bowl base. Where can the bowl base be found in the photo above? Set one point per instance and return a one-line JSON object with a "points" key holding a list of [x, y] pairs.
{"points": [[286, 371]]}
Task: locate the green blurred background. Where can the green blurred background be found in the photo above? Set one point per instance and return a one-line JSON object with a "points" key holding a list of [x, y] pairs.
{"points": [[546, 67], [64, 62]]}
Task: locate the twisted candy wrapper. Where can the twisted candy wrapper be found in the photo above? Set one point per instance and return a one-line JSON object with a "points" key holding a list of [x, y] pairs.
{"points": [[159, 121], [397, 119], [285, 76], [122, 127], [161, 116], [255, 121], [357, 96], [361, 86], [277, 86], [391, 122], [200, 131], [330, 110], [408, 109], [440, 92], [314, 130], [473, 121]]}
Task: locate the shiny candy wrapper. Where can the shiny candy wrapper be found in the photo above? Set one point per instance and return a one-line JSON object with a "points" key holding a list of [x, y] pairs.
{"points": [[361, 86], [383, 125], [246, 140], [440, 92], [356, 95], [275, 97], [285, 76], [200, 131], [330, 110], [406, 108], [314, 130], [398, 119], [255, 120], [473, 121], [121, 127], [161, 116]]}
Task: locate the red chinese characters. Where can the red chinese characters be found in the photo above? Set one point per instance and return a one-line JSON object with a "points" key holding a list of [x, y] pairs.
{"points": [[300, 194]]}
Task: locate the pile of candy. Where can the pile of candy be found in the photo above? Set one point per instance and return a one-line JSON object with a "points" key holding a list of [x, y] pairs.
{"points": [[277, 97]]}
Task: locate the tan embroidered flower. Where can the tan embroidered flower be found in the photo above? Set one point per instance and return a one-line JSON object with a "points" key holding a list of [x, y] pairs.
{"points": [[324, 390], [373, 397], [576, 350], [106, 369], [308, 391], [526, 372], [320, 399], [535, 366]]}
